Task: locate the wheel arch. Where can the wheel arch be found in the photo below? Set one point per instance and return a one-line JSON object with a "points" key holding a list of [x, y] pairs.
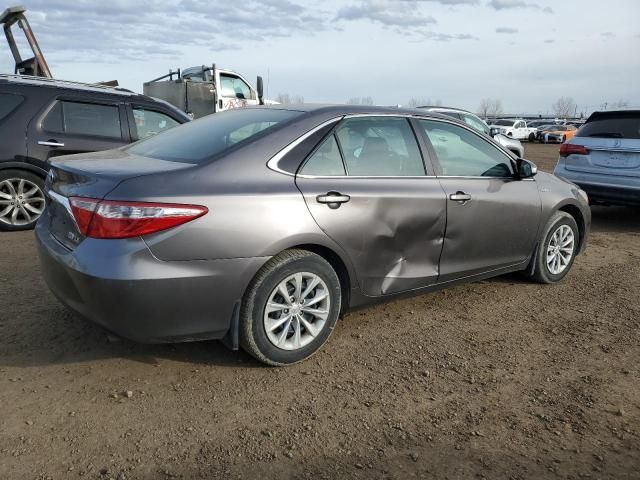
{"points": [[337, 263], [41, 172], [575, 212]]}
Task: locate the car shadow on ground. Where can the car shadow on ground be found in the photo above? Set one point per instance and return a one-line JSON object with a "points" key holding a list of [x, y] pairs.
{"points": [[66, 338], [615, 219]]}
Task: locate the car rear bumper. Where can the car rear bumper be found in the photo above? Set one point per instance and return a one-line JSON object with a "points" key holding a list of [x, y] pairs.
{"points": [[120, 285], [611, 189]]}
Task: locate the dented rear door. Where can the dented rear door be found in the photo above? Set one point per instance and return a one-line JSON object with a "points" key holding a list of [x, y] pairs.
{"points": [[388, 215]]}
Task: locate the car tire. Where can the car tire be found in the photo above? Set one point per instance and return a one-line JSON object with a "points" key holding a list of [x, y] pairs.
{"points": [[532, 137], [20, 186], [264, 332], [560, 227]]}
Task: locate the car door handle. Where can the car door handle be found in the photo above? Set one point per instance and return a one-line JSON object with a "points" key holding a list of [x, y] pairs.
{"points": [[460, 197], [333, 199], [50, 143]]}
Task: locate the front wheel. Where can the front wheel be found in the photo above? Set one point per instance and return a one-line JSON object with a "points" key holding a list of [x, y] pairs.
{"points": [[557, 249], [21, 200], [290, 308]]}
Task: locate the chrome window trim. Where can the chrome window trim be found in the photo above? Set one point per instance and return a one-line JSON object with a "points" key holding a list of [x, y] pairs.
{"points": [[272, 164], [413, 177]]}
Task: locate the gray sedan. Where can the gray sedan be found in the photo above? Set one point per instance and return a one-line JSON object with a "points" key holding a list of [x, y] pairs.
{"points": [[262, 226]]}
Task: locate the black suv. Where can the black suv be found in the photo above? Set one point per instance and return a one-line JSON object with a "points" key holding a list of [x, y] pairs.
{"points": [[43, 118]]}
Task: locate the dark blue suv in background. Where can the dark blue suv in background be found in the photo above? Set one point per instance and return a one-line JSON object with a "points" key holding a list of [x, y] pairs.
{"points": [[43, 118]]}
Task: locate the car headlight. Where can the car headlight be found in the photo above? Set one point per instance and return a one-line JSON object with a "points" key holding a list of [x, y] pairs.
{"points": [[583, 195]]}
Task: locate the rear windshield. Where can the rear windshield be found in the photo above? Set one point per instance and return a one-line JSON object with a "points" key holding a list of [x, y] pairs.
{"points": [[8, 103], [503, 123], [198, 141], [624, 125]]}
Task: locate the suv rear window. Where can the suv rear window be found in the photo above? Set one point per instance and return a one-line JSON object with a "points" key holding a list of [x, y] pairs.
{"points": [[620, 125], [200, 140], [8, 103]]}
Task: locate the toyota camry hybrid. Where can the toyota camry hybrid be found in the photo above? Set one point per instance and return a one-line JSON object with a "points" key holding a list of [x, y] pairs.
{"points": [[262, 226]]}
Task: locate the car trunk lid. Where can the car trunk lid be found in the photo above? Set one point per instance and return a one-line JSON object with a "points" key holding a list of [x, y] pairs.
{"points": [[607, 156], [92, 175]]}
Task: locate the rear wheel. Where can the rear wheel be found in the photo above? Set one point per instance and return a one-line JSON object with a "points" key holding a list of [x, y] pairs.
{"points": [[21, 199], [532, 137], [290, 308], [557, 249]]}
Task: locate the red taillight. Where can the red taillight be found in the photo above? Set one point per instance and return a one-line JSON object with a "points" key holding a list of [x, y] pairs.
{"points": [[569, 149], [116, 219]]}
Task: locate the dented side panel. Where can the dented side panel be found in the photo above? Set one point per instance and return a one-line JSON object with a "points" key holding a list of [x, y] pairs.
{"points": [[498, 227], [392, 228]]}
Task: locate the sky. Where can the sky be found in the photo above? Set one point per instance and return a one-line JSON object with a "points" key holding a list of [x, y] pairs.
{"points": [[526, 53]]}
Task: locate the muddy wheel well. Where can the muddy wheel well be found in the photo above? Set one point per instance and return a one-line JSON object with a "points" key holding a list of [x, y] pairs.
{"points": [[577, 216], [338, 265]]}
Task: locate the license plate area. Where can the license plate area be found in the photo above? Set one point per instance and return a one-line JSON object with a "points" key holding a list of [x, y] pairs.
{"points": [[61, 222]]}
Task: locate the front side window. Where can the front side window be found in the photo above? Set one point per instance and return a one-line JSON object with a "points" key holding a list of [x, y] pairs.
{"points": [[379, 147], [202, 139], [89, 119], [149, 123], [465, 154], [234, 87]]}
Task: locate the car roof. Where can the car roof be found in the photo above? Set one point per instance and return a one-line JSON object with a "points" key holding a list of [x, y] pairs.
{"points": [[613, 113], [440, 108], [68, 84], [340, 109]]}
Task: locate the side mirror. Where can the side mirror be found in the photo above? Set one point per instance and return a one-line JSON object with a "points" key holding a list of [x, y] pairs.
{"points": [[260, 89], [526, 169], [494, 131]]}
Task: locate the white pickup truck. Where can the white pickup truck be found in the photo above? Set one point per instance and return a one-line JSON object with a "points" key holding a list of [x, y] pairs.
{"points": [[200, 91], [515, 129]]}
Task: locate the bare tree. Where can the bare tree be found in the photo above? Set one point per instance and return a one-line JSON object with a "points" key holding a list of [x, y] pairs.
{"points": [[286, 99], [419, 102], [283, 98], [490, 107], [360, 101], [620, 104], [564, 107]]}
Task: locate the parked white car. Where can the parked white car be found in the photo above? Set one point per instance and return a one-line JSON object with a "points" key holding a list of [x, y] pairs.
{"points": [[515, 129]]}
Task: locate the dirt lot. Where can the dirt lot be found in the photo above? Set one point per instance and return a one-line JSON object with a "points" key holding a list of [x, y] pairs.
{"points": [[497, 379]]}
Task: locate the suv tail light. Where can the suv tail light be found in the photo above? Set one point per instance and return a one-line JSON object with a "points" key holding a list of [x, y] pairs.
{"points": [[567, 149], [116, 219]]}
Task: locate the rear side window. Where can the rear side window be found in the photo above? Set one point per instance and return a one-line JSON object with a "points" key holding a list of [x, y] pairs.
{"points": [[379, 147], [89, 119], [202, 139], [8, 103], [624, 125]]}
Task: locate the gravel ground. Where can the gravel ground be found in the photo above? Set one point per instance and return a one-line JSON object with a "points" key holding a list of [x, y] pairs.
{"points": [[495, 379]]}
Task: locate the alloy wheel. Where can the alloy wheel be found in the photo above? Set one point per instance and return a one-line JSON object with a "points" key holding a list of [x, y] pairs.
{"points": [[297, 310], [21, 202], [560, 249]]}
